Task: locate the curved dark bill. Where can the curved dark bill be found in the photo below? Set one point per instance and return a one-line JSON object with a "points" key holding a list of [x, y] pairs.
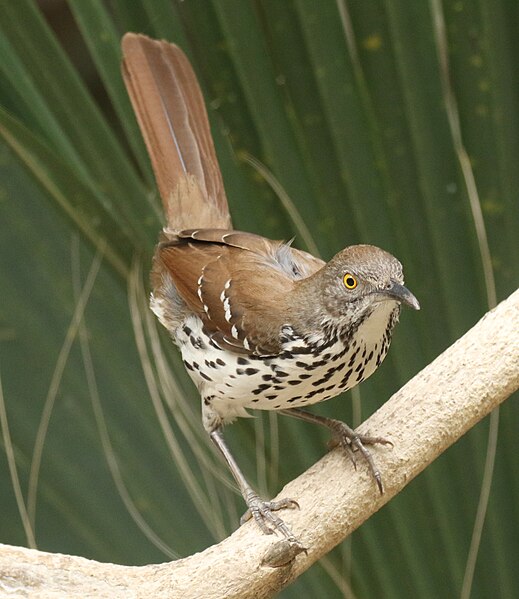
{"points": [[403, 295]]}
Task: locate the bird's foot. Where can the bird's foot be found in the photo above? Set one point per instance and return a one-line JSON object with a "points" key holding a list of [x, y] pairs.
{"points": [[351, 441], [264, 516]]}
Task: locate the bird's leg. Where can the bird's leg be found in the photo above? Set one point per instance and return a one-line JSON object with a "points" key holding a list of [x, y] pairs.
{"points": [[260, 510], [346, 437]]}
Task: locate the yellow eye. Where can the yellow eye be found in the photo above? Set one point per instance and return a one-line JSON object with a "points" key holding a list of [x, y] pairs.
{"points": [[350, 282]]}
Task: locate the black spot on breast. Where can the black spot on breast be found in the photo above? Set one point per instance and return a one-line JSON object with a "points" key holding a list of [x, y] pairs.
{"points": [[329, 342], [353, 357], [301, 349], [260, 388], [188, 365], [316, 364], [346, 378], [271, 396], [204, 376], [314, 393], [196, 342], [340, 354], [280, 373], [329, 373], [251, 371], [294, 382], [295, 398], [242, 361], [220, 362]]}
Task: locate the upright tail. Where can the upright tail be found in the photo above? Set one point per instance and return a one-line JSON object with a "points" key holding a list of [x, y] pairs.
{"points": [[173, 120]]}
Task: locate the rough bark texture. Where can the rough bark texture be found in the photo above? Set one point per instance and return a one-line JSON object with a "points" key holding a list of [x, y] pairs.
{"points": [[423, 419]]}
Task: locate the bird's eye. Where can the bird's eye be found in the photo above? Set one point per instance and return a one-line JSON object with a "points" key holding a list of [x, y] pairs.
{"points": [[350, 282]]}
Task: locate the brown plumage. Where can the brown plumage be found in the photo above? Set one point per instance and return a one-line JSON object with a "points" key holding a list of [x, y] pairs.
{"points": [[259, 323], [237, 283], [171, 113]]}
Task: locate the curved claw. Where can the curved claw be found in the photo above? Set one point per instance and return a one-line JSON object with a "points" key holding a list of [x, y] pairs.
{"points": [[348, 439], [273, 506], [263, 514]]}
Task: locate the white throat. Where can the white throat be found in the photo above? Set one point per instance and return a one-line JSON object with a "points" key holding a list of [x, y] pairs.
{"points": [[374, 327]]}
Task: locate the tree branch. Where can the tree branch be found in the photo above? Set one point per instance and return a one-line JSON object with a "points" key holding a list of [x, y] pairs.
{"points": [[423, 419]]}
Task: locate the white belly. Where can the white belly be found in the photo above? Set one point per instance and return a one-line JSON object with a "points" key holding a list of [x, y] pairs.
{"points": [[231, 382]]}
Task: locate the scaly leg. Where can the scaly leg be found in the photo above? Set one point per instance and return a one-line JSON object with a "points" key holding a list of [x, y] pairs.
{"points": [[261, 511], [346, 437]]}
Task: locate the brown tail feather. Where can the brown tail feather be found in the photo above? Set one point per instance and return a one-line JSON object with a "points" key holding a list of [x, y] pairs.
{"points": [[171, 113]]}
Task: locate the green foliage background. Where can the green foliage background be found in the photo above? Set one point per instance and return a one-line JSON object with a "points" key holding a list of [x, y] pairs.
{"points": [[385, 122]]}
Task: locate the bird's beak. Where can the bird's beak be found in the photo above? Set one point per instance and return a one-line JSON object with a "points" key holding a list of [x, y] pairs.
{"points": [[401, 294]]}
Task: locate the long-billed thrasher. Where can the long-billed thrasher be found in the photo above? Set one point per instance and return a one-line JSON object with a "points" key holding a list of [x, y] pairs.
{"points": [[259, 324]]}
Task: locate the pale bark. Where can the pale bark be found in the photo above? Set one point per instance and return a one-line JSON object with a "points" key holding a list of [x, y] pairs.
{"points": [[423, 419]]}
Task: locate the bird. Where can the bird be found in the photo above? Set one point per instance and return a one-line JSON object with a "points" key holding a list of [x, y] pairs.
{"points": [[259, 324]]}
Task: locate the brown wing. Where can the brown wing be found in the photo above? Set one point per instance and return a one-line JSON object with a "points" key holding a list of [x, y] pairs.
{"points": [[296, 263], [171, 113], [236, 283]]}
